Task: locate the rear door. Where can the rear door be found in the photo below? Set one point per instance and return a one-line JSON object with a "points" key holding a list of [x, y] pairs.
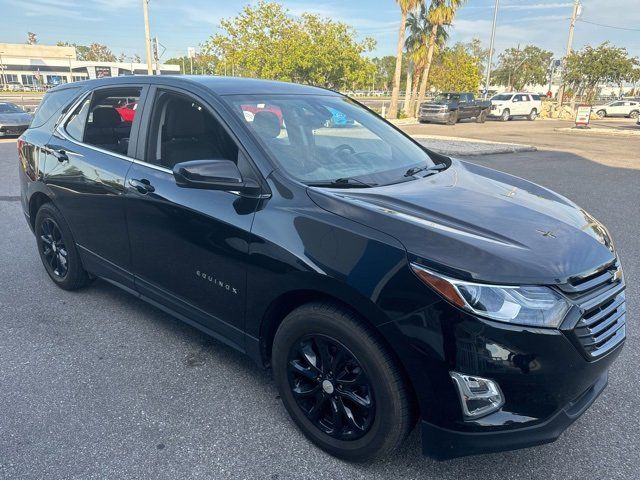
{"points": [[519, 105], [189, 246], [94, 147]]}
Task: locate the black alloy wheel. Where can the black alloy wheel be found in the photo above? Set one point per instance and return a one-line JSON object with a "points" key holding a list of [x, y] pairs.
{"points": [[53, 248], [331, 387], [340, 384], [58, 250]]}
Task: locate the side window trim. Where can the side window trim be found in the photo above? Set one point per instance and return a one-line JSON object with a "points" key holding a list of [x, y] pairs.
{"points": [[135, 127]]}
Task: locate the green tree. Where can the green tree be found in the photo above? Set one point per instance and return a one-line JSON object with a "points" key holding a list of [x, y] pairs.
{"points": [[520, 67], [456, 69], [384, 70], [441, 13], [590, 67], [96, 52], [475, 48], [405, 7], [264, 41], [204, 64]]}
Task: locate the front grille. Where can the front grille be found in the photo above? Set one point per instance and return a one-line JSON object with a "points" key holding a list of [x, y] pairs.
{"points": [[601, 299], [429, 109]]}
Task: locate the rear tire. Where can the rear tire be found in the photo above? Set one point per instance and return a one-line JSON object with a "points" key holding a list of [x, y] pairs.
{"points": [[339, 384], [533, 115], [58, 250], [506, 115], [633, 114]]}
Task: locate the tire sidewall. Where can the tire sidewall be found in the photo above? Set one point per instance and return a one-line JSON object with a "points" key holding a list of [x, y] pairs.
{"points": [[76, 276], [533, 115], [290, 332], [506, 113]]}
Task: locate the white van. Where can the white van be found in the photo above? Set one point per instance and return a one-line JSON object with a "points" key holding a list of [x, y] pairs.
{"points": [[505, 106]]}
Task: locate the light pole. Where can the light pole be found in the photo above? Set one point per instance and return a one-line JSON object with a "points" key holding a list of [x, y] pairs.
{"points": [[493, 37], [2, 70], [147, 35]]}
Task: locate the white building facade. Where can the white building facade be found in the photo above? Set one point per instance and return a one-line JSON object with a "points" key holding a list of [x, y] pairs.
{"points": [[49, 65]]}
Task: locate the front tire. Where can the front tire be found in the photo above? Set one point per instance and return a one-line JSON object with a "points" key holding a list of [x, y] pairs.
{"points": [[453, 118], [601, 113], [506, 115], [58, 250], [634, 114], [482, 117], [339, 383]]}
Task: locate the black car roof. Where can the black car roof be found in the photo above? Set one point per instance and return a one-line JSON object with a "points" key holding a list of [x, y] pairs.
{"points": [[218, 85]]}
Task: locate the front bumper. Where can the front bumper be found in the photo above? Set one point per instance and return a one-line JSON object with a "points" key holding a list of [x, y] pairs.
{"points": [[440, 117], [547, 376], [444, 444]]}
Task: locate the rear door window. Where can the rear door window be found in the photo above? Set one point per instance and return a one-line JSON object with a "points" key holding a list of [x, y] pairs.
{"points": [[104, 120]]}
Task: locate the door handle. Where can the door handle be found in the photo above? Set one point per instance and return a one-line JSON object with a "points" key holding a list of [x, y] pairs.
{"points": [[60, 154], [142, 186]]}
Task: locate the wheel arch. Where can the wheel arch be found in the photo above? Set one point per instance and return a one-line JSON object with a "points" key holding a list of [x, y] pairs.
{"points": [[289, 301], [36, 201]]}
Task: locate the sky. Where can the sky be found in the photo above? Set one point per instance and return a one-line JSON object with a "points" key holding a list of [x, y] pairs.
{"points": [[180, 24]]}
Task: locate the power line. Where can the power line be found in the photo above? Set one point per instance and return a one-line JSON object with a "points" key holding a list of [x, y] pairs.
{"points": [[609, 26]]}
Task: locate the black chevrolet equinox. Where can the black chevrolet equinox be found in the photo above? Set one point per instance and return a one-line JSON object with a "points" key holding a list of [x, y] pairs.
{"points": [[384, 284]]}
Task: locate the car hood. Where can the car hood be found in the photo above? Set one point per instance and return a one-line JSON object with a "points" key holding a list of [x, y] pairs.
{"points": [[15, 118], [477, 223]]}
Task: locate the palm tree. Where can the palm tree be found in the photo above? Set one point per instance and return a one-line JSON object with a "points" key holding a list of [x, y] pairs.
{"points": [[441, 13], [416, 44], [405, 7]]}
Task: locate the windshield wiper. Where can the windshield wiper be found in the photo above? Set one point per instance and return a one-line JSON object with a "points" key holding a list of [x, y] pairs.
{"points": [[438, 167], [345, 182]]}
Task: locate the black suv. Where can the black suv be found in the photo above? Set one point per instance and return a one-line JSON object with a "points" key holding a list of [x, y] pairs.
{"points": [[381, 282]]}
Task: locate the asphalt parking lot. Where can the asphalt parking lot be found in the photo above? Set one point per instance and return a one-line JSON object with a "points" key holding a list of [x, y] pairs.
{"points": [[97, 384]]}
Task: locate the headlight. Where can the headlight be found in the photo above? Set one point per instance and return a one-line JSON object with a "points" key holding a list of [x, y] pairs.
{"points": [[525, 305]]}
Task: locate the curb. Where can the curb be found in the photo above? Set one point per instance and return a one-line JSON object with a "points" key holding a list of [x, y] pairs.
{"points": [[599, 131], [470, 146]]}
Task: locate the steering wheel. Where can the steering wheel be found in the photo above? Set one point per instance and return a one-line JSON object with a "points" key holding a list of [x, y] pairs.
{"points": [[336, 152]]}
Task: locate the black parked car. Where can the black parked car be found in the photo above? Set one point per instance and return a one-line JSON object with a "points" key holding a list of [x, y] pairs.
{"points": [[382, 283], [451, 107]]}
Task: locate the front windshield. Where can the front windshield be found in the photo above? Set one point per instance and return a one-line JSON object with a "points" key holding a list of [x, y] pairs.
{"points": [[502, 96], [318, 138], [10, 108], [445, 97]]}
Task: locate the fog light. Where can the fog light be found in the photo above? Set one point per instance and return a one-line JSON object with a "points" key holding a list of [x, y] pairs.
{"points": [[478, 396]]}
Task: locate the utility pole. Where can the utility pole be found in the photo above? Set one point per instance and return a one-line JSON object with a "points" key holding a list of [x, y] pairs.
{"points": [[156, 55], [493, 37], [572, 26], [147, 35]]}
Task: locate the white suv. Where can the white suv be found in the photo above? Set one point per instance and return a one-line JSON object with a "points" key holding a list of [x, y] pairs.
{"points": [[505, 106], [619, 108]]}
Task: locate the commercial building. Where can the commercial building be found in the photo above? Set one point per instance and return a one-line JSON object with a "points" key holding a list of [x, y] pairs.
{"points": [[33, 66]]}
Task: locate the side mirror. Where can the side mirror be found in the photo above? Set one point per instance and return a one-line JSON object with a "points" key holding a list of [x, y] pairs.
{"points": [[213, 175]]}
